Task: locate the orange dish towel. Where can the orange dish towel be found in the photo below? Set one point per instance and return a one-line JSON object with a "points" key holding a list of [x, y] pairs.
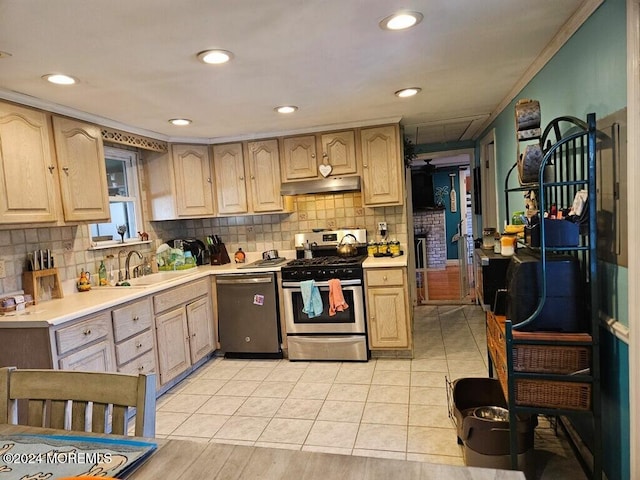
{"points": [[336, 298]]}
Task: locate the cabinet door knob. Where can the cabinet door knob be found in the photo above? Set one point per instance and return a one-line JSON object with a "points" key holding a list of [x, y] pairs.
{"points": [[193, 335], [241, 178], [66, 170], [313, 155], [51, 168], [209, 179]]}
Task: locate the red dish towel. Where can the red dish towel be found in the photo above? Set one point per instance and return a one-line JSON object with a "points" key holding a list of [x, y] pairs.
{"points": [[336, 299]]}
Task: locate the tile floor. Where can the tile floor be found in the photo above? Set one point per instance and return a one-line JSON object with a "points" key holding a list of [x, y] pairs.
{"points": [[385, 408]]}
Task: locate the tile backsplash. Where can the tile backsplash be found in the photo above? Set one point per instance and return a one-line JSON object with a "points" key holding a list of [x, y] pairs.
{"points": [[70, 245]]}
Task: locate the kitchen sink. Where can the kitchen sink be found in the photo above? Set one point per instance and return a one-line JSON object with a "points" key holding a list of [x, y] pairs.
{"points": [[156, 278]]}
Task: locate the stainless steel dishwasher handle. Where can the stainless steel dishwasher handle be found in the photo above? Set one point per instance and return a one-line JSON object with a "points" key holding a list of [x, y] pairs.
{"points": [[244, 280]]}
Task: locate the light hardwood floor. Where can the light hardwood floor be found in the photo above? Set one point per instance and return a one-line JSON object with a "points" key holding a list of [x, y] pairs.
{"points": [[444, 285]]}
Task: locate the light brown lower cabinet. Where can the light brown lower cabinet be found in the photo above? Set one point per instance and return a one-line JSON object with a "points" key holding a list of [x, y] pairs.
{"points": [[184, 331], [388, 314]]}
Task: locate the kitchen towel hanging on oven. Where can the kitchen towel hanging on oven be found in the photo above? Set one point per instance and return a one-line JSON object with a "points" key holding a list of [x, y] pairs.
{"points": [[311, 299], [336, 297]]}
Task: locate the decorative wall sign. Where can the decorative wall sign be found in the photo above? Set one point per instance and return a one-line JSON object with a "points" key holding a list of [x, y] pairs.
{"points": [[325, 170]]}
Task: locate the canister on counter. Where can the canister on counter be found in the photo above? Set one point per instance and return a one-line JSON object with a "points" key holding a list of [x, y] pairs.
{"points": [[372, 248], [488, 238], [383, 247], [394, 247]]}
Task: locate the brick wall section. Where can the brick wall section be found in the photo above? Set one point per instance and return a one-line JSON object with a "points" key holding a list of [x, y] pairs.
{"points": [[431, 223]]}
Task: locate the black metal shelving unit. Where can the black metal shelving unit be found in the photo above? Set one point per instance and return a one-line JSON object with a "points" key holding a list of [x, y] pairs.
{"points": [[570, 164]]}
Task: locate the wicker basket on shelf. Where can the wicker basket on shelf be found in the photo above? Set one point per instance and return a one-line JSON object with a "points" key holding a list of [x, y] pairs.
{"points": [[550, 359], [552, 394]]}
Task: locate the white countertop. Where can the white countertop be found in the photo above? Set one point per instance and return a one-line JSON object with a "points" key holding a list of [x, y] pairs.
{"points": [[72, 306], [381, 262]]}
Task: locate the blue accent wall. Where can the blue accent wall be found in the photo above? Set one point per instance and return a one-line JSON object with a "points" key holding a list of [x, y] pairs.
{"points": [[442, 183], [587, 75]]}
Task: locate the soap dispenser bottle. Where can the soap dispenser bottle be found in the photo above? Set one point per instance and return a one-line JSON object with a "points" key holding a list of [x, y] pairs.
{"points": [[102, 274]]}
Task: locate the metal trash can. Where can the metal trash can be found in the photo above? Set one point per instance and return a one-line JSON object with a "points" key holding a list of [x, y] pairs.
{"points": [[482, 425]]}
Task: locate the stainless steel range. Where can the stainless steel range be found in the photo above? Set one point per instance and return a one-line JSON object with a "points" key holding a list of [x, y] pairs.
{"points": [[322, 335]]}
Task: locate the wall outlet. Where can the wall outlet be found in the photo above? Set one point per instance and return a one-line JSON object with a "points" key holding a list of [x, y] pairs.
{"points": [[382, 226], [3, 272]]}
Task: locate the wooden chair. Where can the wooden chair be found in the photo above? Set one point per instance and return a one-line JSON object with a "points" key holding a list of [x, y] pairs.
{"points": [[80, 401]]}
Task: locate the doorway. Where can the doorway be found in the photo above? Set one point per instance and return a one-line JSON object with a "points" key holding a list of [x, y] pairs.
{"points": [[443, 234]]}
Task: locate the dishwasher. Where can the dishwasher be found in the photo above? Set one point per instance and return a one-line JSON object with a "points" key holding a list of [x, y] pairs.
{"points": [[248, 320]]}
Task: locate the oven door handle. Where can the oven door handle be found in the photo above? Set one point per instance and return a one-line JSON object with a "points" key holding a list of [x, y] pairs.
{"points": [[344, 283]]}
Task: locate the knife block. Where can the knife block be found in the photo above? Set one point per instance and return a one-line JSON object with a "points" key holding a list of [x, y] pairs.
{"points": [[218, 254], [32, 283]]}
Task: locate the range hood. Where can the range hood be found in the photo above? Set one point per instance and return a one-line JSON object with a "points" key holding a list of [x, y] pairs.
{"points": [[323, 185]]}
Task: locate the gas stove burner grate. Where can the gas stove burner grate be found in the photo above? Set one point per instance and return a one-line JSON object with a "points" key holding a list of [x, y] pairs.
{"points": [[326, 261]]}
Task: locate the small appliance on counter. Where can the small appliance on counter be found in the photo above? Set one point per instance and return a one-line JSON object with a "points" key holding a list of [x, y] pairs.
{"points": [[218, 254], [193, 245]]}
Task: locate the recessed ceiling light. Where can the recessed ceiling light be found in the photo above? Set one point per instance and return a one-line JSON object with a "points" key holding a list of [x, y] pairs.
{"points": [[180, 122], [215, 57], [60, 79], [401, 20], [408, 92], [286, 109]]}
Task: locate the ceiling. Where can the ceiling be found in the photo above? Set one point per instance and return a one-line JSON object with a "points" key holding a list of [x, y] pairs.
{"points": [[137, 67]]}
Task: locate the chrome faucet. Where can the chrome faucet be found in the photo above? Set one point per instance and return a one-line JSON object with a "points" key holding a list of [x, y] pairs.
{"points": [[127, 275]]}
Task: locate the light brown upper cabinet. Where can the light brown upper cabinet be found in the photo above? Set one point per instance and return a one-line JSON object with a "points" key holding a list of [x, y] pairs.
{"points": [[82, 170], [264, 175], [179, 182], [27, 167], [228, 166], [192, 168], [382, 166], [301, 162], [339, 153], [251, 185], [299, 158]]}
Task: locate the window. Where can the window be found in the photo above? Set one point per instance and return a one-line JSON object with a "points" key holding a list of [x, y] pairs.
{"points": [[124, 204]]}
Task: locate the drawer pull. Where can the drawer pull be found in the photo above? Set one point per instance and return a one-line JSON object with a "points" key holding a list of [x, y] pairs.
{"points": [[87, 331], [138, 345], [136, 318], [141, 368], [384, 278]]}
